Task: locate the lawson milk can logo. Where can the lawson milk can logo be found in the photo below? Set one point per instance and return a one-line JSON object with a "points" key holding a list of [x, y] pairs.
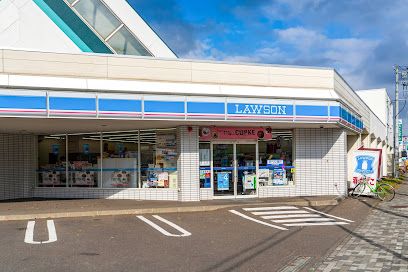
{"points": [[257, 109], [365, 165]]}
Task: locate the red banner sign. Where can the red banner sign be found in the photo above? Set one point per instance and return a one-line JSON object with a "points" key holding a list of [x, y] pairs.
{"points": [[234, 133]]}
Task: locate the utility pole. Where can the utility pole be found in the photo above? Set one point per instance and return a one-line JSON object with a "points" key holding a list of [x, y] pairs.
{"points": [[396, 125], [401, 77]]}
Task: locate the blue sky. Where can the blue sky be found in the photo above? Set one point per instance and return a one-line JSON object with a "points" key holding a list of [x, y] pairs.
{"points": [[362, 39]]}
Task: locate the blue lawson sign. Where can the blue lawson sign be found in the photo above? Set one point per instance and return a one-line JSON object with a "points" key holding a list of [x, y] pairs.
{"points": [[365, 165], [223, 181], [259, 109], [181, 108]]}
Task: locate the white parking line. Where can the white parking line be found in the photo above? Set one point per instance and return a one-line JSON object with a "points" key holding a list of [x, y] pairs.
{"points": [[29, 234], [329, 215], [279, 212], [315, 224], [315, 219], [270, 208], [255, 220], [183, 232]]}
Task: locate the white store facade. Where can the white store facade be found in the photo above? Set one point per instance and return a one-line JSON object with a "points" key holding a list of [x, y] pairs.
{"points": [[102, 108]]}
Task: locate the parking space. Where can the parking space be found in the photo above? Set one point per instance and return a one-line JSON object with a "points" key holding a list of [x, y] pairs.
{"points": [[203, 241]]}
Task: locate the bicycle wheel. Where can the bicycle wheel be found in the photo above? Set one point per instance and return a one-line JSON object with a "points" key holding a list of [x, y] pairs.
{"points": [[358, 190], [385, 192]]}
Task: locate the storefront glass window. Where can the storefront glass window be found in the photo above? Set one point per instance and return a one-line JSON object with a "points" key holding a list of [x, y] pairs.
{"points": [[159, 158], [129, 159], [205, 165], [120, 160], [83, 155], [276, 166], [51, 161]]}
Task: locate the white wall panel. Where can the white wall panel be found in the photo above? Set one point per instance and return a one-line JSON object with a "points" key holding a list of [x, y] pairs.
{"points": [[206, 194], [187, 164], [17, 165]]}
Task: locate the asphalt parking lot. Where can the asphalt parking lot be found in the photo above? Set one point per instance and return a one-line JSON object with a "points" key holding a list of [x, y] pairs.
{"points": [[259, 238]]}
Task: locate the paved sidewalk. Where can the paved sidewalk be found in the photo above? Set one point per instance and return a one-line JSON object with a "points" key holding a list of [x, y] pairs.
{"points": [[380, 243], [40, 209]]}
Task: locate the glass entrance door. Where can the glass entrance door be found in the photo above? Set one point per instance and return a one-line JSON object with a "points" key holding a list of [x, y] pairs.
{"points": [[246, 169], [223, 169], [234, 169]]}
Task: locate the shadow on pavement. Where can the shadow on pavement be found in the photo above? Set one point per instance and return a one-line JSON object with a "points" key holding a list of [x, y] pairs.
{"points": [[383, 210], [401, 194], [233, 262], [236, 260]]}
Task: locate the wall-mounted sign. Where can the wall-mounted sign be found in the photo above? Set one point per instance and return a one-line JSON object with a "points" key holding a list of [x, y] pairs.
{"points": [[259, 109], [234, 133]]}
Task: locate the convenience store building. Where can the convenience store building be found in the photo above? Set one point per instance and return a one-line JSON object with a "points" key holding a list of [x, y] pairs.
{"points": [[113, 113]]}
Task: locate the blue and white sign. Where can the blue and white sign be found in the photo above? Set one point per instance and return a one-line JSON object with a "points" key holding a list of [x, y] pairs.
{"points": [[138, 106], [274, 163], [223, 181], [260, 109], [365, 164]]}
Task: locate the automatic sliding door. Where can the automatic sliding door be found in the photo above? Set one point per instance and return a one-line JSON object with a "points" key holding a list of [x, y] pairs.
{"points": [[246, 169], [223, 167]]}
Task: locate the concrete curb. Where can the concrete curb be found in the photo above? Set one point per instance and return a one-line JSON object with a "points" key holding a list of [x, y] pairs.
{"points": [[160, 210]]}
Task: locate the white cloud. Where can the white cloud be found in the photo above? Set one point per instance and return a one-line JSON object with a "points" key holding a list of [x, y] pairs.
{"points": [[301, 37], [289, 8], [200, 50], [261, 55], [347, 55]]}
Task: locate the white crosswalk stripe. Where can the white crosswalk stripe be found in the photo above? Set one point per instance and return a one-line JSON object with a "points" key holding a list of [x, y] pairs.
{"points": [[310, 209], [316, 219], [279, 212], [270, 208], [315, 224], [288, 216], [291, 216]]}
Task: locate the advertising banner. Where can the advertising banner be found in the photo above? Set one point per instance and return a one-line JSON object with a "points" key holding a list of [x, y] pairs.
{"points": [[204, 157], [249, 182], [366, 163], [275, 163], [223, 181], [234, 133], [279, 177], [205, 177]]}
